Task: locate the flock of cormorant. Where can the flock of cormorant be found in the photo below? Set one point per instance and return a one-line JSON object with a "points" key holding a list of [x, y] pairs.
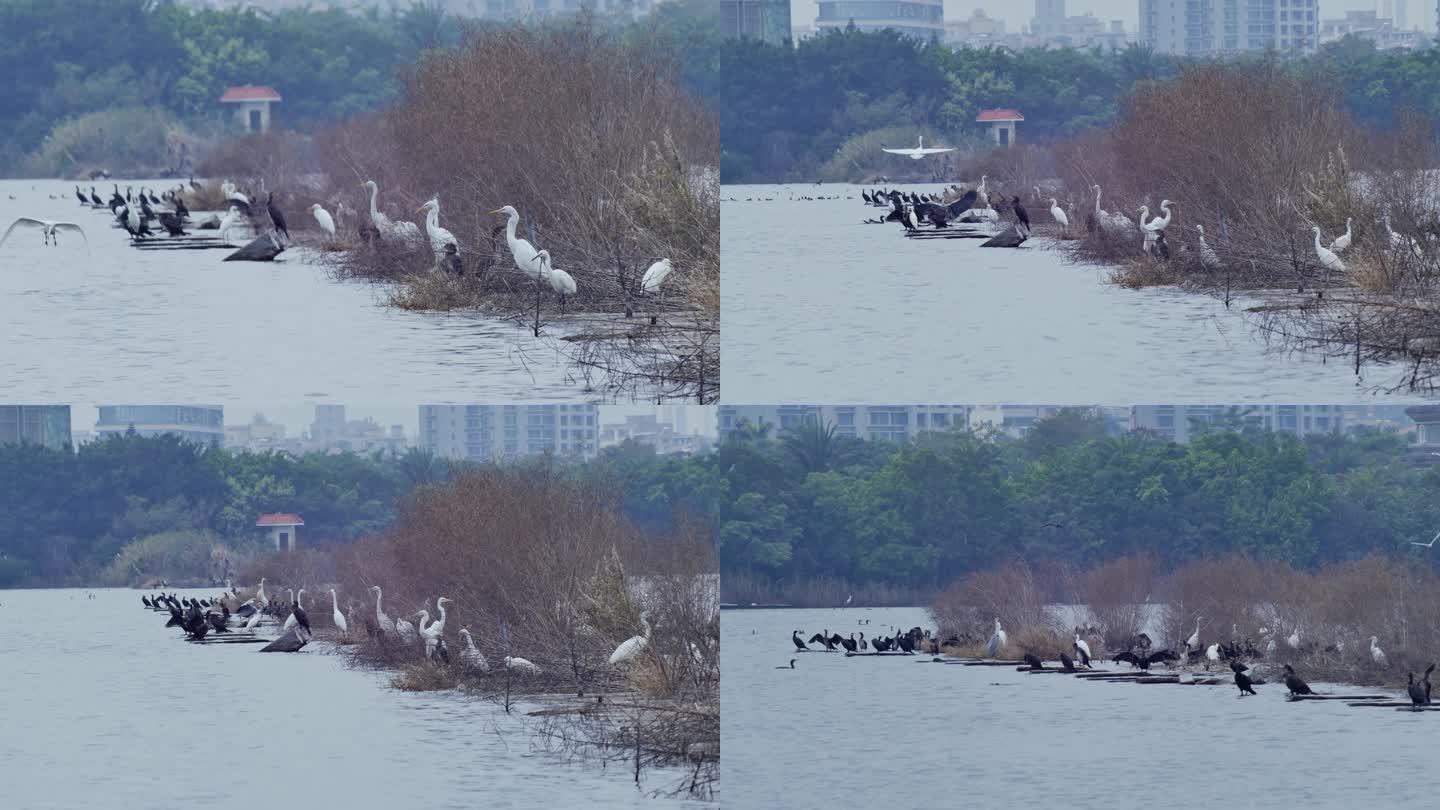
{"points": [[1137, 653]]}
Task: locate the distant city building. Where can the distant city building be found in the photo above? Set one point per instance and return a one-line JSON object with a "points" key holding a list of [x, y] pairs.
{"points": [[1000, 125], [1016, 419], [976, 31], [1179, 422], [281, 529], [1378, 415], [45, 425], [505, 10], [1212, 27], [489, 432], [260, 435], [921, 19], [882, 422], [764, 20], [1367, 25], [201, 424], [666, 437]]}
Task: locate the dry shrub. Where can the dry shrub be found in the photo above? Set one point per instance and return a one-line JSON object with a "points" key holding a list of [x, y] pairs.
{"points": [[305, 567], [1221, 593], [1117, 593], [1012, 593], [1139, 272], [422, 676]]}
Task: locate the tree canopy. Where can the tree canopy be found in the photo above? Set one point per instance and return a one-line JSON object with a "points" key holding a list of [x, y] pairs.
{"points": [[785, 111]]}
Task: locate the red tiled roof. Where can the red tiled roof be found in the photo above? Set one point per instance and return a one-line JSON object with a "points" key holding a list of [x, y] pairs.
{"points": [[250, 92], [280, 519], [999, 114]]}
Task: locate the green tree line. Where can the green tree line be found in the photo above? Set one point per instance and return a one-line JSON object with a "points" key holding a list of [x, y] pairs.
{"points": [[810, 504], [70, 515], [787, 111], [69, 59]]}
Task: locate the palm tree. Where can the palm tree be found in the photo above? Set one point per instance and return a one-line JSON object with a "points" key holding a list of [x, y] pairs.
{"points": [[812, 445]]}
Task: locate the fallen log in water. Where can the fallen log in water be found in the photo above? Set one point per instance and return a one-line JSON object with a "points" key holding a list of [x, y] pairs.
{"points": [[849, 654], [1158, 679], [1389, 703], [992, 663], [292, 641], [261, 249], [1008, 238]]}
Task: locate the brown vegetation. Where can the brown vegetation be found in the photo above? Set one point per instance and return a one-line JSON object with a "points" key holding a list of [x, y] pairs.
{"points": [[1334, 610], [610, 163]]}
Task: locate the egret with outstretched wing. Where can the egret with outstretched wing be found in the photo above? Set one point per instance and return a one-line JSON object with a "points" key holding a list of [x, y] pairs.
{"points": [[919, 151], [49, 228]]}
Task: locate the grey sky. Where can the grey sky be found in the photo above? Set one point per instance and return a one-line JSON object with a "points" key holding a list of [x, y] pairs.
{"points": [[296, 416], [1018, 14]]}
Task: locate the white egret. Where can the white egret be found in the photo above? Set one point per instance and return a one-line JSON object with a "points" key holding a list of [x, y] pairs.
{"points": [[436, 630], [471, 655], [323, 218], [633, 646], [253, 622], [386, 625], [232, 193], [439, 237], [260, 592], [1398, 240], [1212, 654], [49, 228], [406, 630], [1083, 648], [338, 616], [997, 640], [1376, 654], [1159, 223], [1294, 639], [655, 275], [1059, 214], [982, 197], [228, 222], [1343, 241], [560, 281], [1207, 256], [1328, 259], [523, 253], [1193, 642], [1429, 544], [521, 665], [381, 222]]}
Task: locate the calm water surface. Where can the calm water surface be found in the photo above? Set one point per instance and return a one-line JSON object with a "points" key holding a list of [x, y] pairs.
{"points": [[105, 707], [821, 308], [891, 732], [184, 325]]}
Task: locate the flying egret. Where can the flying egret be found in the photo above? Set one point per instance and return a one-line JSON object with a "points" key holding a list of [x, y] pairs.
{"points": [[337, 615], [471, 655], [1429, 544], [1376, 654], [560, 281], [48, 227], [919, 152], [323, 217], [439, 237], [1327, 257], [523, 253], [635, 645]]}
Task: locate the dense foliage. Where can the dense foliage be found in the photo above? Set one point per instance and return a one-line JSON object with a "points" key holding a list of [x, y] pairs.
{"points": [[815, 505], [63, 60], [786, 111], [69, 516]]}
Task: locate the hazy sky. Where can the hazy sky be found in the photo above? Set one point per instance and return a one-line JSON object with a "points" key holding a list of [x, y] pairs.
{"points": [[1018, 14], [297, 416]]}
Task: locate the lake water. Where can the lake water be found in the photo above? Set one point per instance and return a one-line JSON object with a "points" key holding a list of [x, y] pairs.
{"points": [[104, 706], [821, 308], [892, 732], [153, 326]]}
